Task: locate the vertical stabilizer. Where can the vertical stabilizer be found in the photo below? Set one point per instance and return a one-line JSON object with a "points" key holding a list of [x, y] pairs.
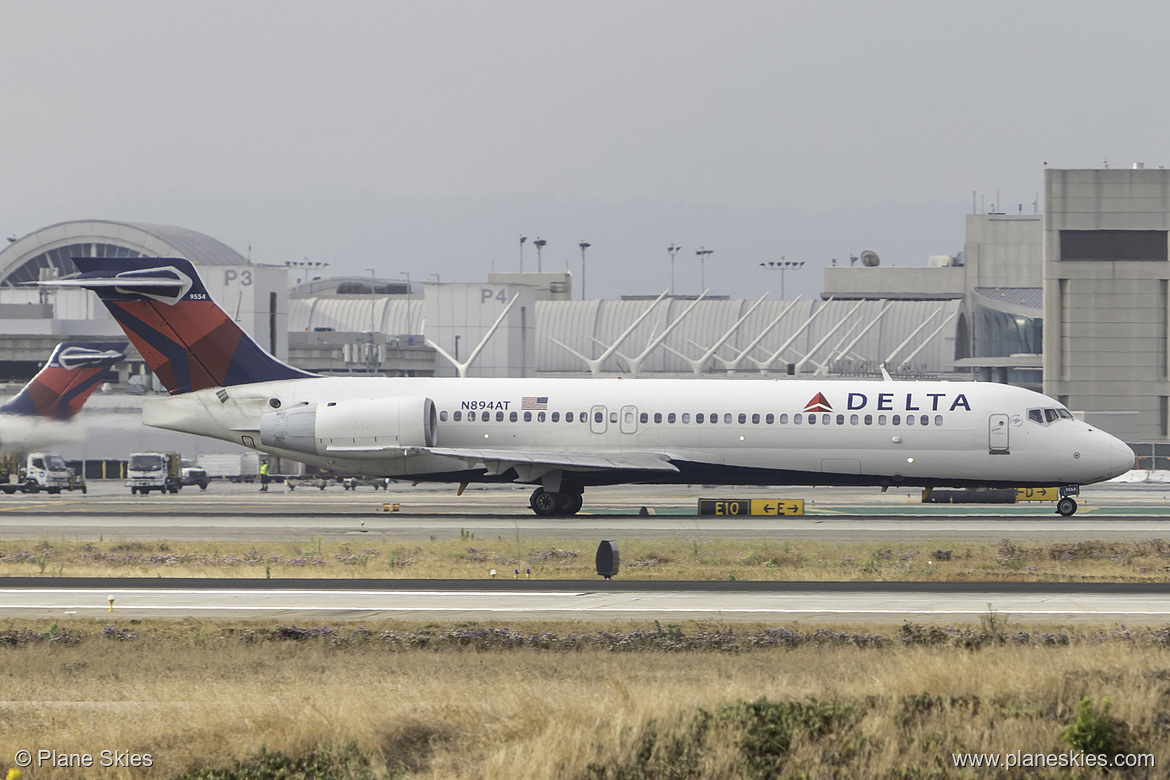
{"points": [[60, 389], [188, 341]]}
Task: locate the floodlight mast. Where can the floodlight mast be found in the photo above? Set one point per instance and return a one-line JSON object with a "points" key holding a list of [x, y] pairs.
{"points": [[584, 245], [782, 265], [672, 250]]}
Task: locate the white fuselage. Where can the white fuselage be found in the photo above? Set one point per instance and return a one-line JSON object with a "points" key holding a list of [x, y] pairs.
{"points": [[752, 431]]}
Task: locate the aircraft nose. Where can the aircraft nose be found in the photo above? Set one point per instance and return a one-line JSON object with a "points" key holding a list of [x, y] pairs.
{"points": [[1121, 458]]}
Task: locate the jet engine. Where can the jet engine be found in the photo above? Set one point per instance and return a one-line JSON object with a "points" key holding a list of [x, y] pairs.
{"points": [[368, 426]]}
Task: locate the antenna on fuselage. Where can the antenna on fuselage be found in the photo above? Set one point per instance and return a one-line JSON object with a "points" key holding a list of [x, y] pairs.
{"points": [[886, 374]]}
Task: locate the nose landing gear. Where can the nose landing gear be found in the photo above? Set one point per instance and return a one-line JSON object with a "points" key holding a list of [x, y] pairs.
{"points": [[1067, 505]]}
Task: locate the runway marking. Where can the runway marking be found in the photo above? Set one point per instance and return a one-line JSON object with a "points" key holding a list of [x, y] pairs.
{"points": [[249, 592], [638, 610]]}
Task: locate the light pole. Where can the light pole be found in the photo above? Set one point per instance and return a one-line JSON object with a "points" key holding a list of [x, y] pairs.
{"points": [[672, 250], [702, 252], [522, 240], [584, 245], [539, 244], [371, 362], [782, 265]]}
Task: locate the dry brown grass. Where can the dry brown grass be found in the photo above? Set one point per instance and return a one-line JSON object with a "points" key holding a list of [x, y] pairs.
{"points": [[676, 558], [198, 694]]}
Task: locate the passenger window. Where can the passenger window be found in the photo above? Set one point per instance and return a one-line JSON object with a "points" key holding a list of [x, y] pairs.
{"points": [[643, 418], [770, 418], [568, 417], [670, 417], [699, 418], [783, 419], [881, 419], [742, 418], [938, 419], [727, 418], [796, 419], [540, 416], [714, 418], [443, 416], [658, 417], [1036, 416], [853, 419], [812, 419], [909, 419], [924, 419], [896, 419], [471, 416], [457, 416], [500, 416], [840, 419], [527, 416], [598, 417], [613, 417], [512, 417], [869, 419], [686, 418], [825, 419], [556, 417], [755, 419]]}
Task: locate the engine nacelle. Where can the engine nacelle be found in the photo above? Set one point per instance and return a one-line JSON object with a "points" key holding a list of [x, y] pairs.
{"points": [[360, 427]]}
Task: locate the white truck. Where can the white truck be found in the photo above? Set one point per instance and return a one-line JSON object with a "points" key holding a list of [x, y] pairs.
{"points": [[234, 466], [147, 471], [33, 472]]}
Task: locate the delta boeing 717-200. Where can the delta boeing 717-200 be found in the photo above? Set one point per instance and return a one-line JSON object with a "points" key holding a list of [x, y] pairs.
{"points": [[563, 436]]}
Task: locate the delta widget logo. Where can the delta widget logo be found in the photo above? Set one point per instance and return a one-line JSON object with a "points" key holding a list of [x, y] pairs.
{"points": [[818, 404]]}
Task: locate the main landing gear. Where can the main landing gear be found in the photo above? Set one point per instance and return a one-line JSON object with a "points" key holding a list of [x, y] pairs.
{"points": [[556, 504], [1067, 505]]}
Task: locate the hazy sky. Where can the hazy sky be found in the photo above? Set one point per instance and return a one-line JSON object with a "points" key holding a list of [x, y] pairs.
{"points": [[426, 137]]}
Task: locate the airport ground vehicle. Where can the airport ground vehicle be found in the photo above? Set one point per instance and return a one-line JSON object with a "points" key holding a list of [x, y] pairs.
{"points": [[194, 475], [147, 471], [35, 471], [234, 466]]}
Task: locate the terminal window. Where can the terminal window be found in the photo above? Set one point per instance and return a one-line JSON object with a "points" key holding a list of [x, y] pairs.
{"points": [[1113, 245]]}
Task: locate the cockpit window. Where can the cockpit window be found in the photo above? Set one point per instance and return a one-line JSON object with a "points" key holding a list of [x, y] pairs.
{"points": [[1045, 416]]}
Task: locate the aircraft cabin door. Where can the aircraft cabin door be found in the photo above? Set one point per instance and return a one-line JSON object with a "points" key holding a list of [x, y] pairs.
{"points": [[997, 436], [597, 417], [629, 419]]}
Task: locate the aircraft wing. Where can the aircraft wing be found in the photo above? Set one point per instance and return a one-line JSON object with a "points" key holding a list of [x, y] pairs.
{"points": [[498, 461]]}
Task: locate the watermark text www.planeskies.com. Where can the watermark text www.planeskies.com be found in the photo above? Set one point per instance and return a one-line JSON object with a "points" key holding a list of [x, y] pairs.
{"points": [[1071, 759]]}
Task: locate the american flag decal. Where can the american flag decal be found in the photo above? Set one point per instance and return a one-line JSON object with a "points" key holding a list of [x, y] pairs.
{"points": [[533, 403]]}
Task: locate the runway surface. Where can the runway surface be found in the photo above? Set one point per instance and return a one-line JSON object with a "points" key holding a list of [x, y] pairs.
{"points": [[228, 512], [318, 600]]}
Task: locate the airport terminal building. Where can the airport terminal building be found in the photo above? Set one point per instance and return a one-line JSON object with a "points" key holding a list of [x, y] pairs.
{"points": [[1074, 301]]}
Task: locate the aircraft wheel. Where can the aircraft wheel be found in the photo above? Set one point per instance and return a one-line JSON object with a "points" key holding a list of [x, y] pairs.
{"points": [[571, 503], [544, 503], [1066, 507]]}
